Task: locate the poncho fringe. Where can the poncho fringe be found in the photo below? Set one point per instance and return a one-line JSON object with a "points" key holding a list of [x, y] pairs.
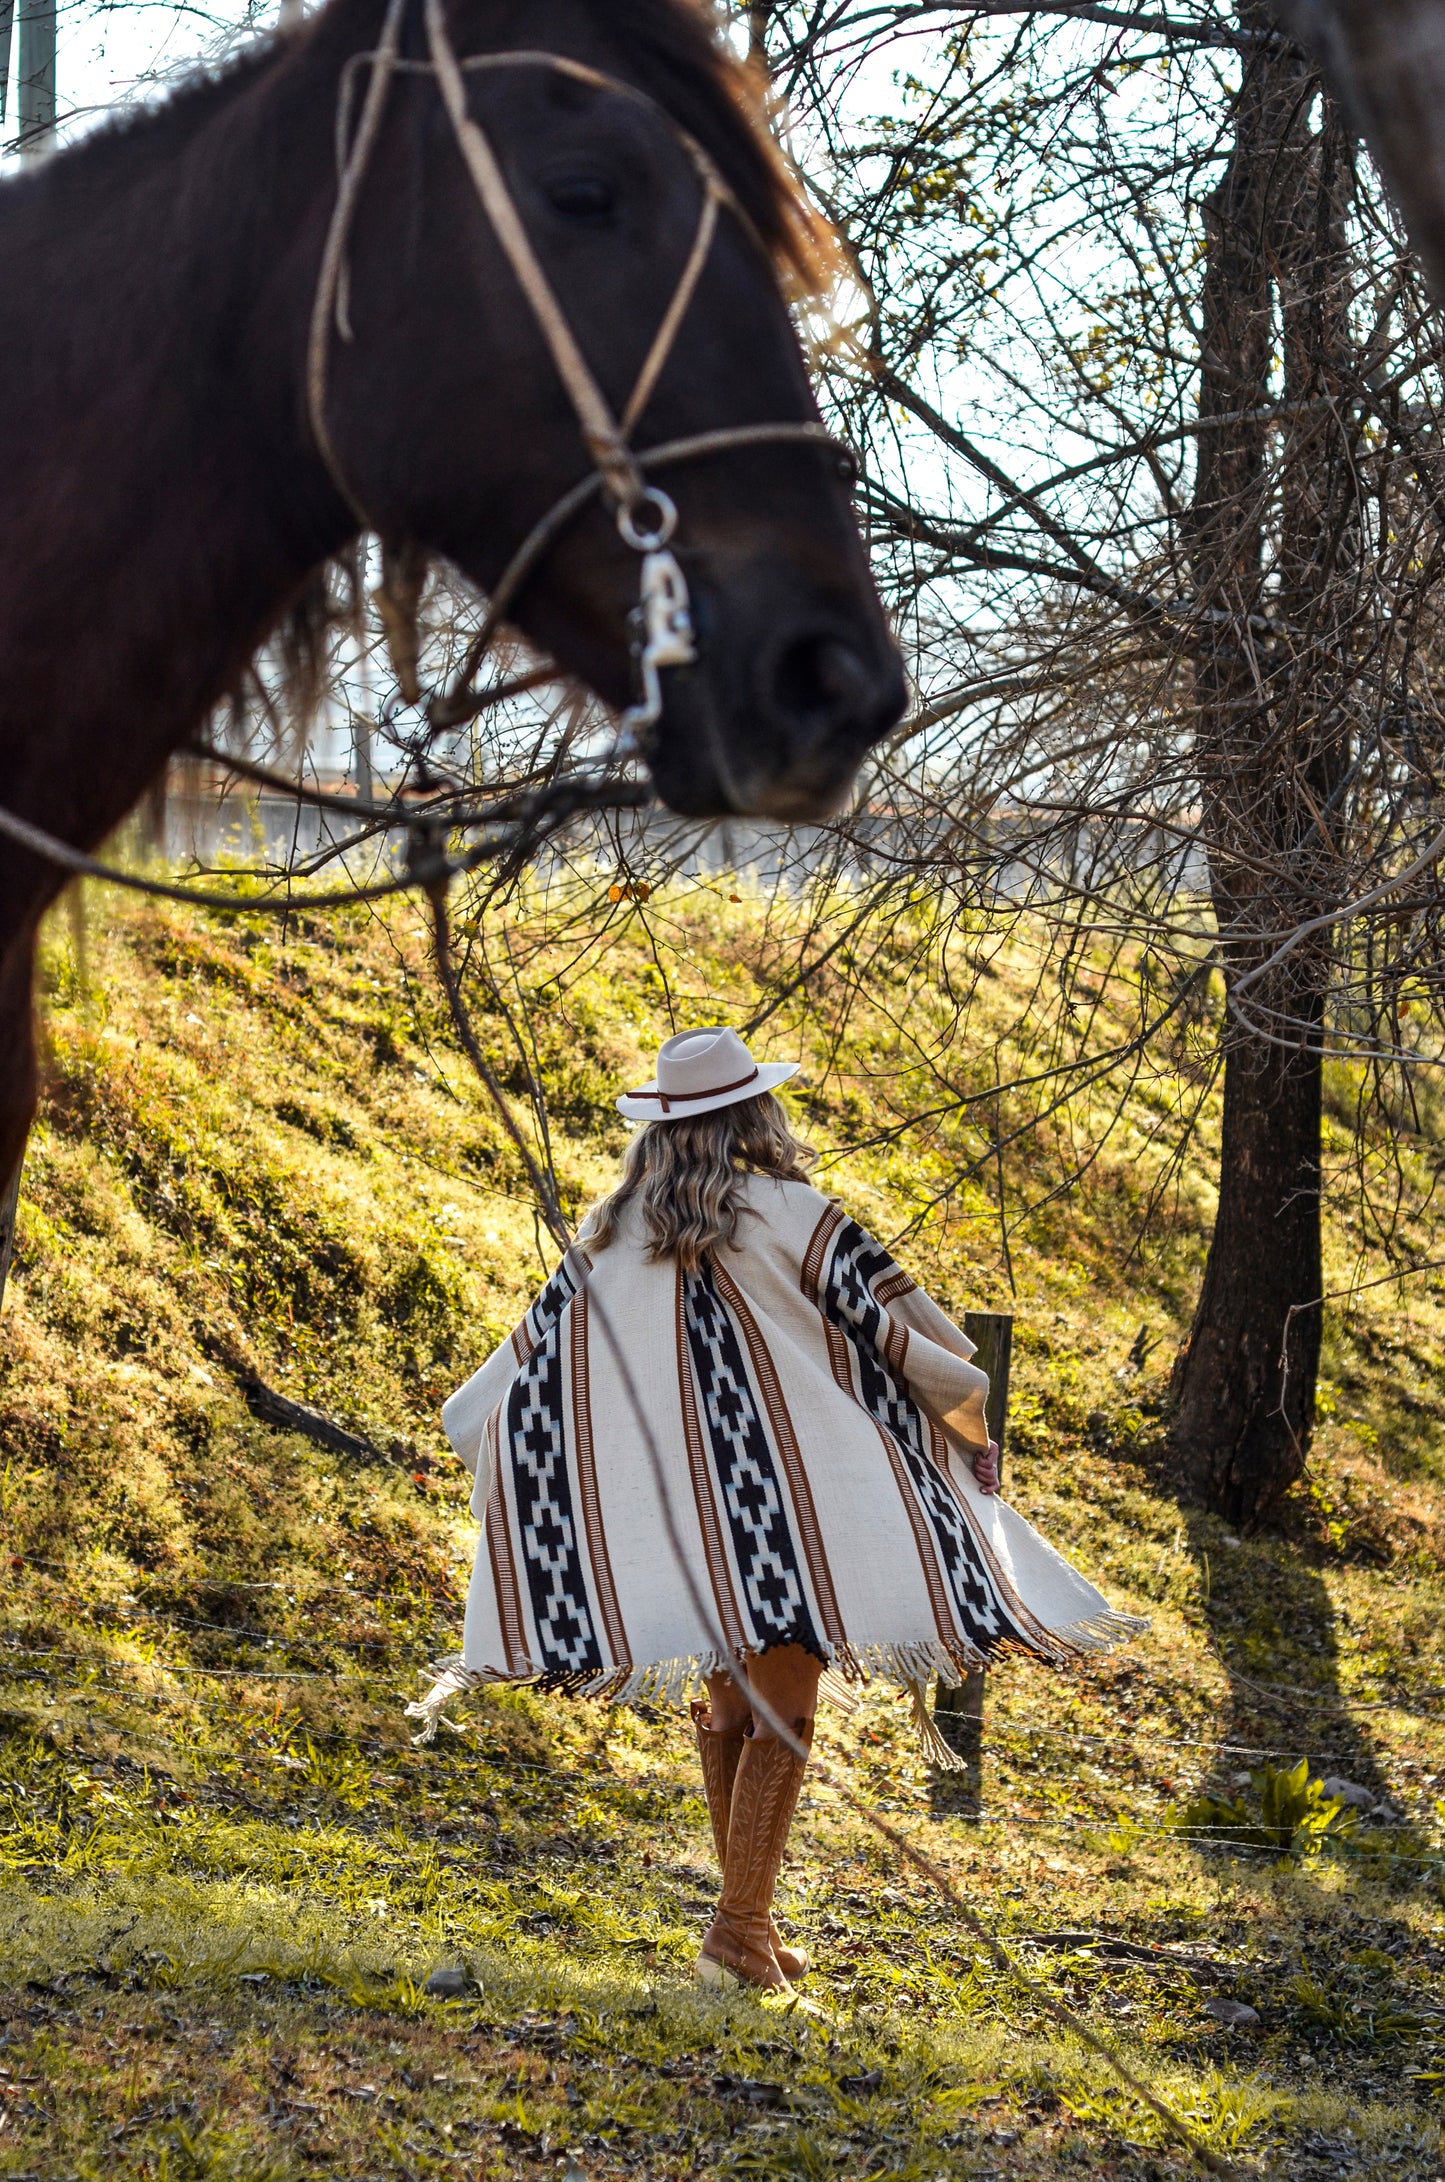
{"points": [[675, 1681]]}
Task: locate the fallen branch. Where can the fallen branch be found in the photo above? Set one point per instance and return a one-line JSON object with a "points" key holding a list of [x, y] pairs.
{"points": [[272, 1407], [1101, 1943]]}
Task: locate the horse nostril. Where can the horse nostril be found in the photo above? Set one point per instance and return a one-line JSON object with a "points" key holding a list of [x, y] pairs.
{"points": [[821, 683]]}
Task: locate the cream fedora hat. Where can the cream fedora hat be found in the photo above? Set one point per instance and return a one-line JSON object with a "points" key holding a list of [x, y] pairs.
{"points": [[700, 1070]]}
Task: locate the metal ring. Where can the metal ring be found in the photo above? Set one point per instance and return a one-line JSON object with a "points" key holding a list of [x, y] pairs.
{"points": [[647, 539]]}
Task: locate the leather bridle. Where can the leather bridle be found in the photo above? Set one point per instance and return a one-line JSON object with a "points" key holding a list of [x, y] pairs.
{"points": [[645, 516]]}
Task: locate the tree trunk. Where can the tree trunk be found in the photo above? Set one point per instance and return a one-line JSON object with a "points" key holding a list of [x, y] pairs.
{"points": [[1246, 1381], [35, 104], [1270, 755]]}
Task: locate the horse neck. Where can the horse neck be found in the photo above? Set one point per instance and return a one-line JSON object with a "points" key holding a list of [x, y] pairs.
{"points": [[161, 498]]}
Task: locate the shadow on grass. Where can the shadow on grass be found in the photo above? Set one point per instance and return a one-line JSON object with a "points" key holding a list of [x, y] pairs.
{"points": [[1283, 1645], [1280, 1641]]}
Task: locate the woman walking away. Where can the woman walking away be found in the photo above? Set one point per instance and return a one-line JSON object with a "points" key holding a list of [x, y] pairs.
{"points": [[733, 1444]]}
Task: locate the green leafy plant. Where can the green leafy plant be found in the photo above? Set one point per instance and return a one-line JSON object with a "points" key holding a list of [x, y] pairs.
{"points": [[1346, 2018], [1297, 1812], [1295, 1816]]}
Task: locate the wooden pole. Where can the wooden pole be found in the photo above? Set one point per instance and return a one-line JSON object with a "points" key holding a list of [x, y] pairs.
{"points": [[7, 28], [958, 1706], [35, 106], [9, 1205]]}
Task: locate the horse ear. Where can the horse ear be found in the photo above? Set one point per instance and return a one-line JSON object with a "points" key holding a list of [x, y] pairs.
{"points": [[398, 600]]}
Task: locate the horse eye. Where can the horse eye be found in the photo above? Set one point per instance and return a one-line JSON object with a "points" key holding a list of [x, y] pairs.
{"points": [[582, 197]]}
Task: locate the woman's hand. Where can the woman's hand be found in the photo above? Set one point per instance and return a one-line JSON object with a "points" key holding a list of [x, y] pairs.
{"points": [[985, 1469]]}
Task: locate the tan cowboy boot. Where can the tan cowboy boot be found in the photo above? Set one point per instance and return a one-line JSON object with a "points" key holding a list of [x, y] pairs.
{"points": [[719, 1750], [738, 1947]]}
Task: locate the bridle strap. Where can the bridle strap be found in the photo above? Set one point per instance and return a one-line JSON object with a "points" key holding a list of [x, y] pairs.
{"points": [[603, 435], [333, 256], [600, 431], [533, 280], [619, 471], [461, 702], [666, 333]]}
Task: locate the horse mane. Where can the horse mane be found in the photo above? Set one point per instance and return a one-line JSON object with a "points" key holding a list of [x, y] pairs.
{"points": [[679, 57], [168, 123]]}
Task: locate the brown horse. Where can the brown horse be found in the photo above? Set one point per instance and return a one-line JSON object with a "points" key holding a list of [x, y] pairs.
{"points": [[163, 499]]}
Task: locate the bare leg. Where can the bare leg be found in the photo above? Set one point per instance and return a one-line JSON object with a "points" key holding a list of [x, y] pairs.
{"points": [[787, 1681], [785, 1678], [727, 1707]]}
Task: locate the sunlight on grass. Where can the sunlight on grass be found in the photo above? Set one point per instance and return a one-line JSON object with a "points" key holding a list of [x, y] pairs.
{"points": [[226, 1875]]}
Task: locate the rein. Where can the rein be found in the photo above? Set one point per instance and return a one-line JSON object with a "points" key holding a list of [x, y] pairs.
{"points": [[645, 516]]}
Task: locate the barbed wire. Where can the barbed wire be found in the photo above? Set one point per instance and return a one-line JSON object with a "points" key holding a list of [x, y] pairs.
{"points": [[1095, 1828], [1032, 1729], [1277, 1693]]}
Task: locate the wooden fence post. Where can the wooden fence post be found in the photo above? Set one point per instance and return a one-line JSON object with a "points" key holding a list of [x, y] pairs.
{"points": [[958, 1706], [9, 1205]]}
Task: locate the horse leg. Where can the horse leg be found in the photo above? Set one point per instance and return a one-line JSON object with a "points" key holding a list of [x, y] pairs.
{"points": [[19, 1081]]}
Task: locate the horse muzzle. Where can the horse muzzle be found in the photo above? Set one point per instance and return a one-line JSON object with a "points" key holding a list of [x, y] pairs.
{"points": [[773, 720]]}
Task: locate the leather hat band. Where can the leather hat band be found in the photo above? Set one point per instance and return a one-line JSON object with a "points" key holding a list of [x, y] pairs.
{"points": [[669, 1099]]}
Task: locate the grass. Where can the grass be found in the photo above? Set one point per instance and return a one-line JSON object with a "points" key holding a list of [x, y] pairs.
{"points": [[227, 1874]]}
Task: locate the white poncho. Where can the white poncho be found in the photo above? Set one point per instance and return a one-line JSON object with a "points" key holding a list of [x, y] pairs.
{"points": [[813, 1417]]}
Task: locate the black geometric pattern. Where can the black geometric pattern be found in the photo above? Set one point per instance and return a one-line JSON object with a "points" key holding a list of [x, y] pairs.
{"points": [[856, 1262], [747, 1473], [547, 1310], [537, 1441]]}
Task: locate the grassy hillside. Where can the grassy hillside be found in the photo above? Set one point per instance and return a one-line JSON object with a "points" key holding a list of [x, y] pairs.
{"points": [[227, 1874]]}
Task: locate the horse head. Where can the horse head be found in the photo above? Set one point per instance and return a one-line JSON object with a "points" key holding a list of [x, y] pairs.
{"points": [[666, 231]]}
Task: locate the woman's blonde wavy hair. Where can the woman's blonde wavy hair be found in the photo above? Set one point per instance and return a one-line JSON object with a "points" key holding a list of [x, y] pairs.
{"points": [[685, 1177]]}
